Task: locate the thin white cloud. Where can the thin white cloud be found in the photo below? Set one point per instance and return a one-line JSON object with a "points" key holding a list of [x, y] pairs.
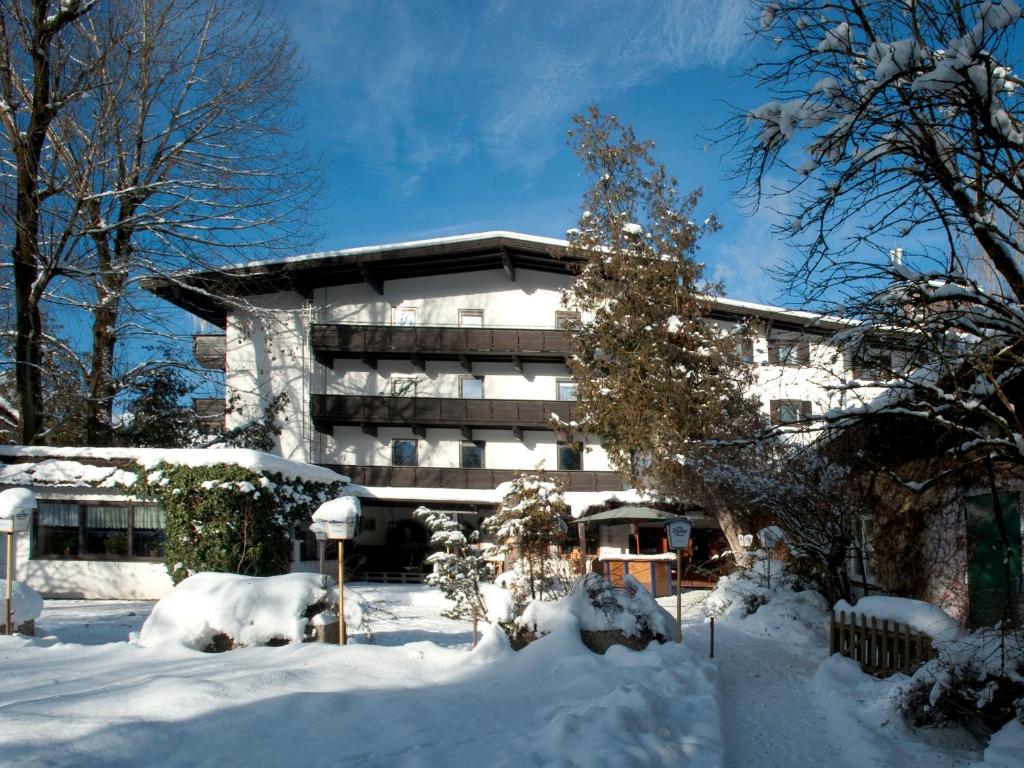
{"points": [[746, 253], [414, 85]]}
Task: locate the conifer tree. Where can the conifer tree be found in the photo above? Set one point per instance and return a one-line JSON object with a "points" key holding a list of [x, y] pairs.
{"points": [[527, 525], [458, 565], [657, 380]]}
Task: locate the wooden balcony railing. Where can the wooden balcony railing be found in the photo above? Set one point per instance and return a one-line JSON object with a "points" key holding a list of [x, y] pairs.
{"points": [[480, 479], [419, 413], [372, 342]]}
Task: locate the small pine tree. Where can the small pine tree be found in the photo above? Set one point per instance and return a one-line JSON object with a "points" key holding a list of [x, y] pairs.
{"points": [[656, 379], [528, 524], [458, 565], [156, 417]]}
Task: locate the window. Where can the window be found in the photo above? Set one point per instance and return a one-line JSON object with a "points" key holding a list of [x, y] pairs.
{"points": [[404, 316], [570, 456], [872, 363], [789, 352], [472, 455], [471, 318], [403, 453], [99, 531], [745, 350], [566, 389], [471, 387], [790, 411], [567, 321], [403, 386]]}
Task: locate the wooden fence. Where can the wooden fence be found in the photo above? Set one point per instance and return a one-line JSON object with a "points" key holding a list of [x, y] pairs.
{"points": [[881, 647]]}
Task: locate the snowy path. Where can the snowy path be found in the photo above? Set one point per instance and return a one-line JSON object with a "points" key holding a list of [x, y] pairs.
{"points": [[772, 714]]}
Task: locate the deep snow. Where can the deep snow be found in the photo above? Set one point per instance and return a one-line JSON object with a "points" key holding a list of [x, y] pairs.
{"points": [[418, 697]]}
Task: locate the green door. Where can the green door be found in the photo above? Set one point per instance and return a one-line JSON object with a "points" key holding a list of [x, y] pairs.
{"points": [[990, 560]]}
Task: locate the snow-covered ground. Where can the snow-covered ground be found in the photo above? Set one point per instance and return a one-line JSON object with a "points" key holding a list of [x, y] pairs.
{"points": [[418, 696]]}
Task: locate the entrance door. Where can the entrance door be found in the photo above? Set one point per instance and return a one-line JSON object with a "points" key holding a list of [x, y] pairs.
{"points": [[993, 569]]}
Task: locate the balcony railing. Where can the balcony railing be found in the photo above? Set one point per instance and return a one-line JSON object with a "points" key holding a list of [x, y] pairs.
{"points": [[419, 413], [372, 342], [480, 479]]}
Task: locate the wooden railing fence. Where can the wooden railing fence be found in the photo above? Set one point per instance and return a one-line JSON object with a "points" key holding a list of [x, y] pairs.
{"points": [[881, 647]]}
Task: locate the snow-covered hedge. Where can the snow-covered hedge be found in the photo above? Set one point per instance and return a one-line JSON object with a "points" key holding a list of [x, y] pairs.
{"points": [[604, 615], [219, 611], [229, 518]]}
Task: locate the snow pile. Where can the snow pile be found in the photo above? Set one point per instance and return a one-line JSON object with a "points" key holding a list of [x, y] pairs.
{"points": [[1005, 748], [917, 614], [781, 610], [594, 605], [250, 610], [26, 603], [411, 704]]}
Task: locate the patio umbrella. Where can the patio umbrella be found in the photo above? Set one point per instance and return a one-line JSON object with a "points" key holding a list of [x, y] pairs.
{"points": [[627, 515]]}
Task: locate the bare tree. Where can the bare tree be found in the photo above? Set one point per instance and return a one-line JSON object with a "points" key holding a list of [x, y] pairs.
{"points": [[40, 74], [182, 155]]}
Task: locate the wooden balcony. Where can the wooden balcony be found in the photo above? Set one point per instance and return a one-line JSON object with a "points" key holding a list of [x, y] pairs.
{"points": [[480, 479], [210, 413], [371, 343], [420, 413], [210, 350]]}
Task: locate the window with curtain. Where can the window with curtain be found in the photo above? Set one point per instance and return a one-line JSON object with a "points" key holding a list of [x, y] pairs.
{"points": [[98, 531]]}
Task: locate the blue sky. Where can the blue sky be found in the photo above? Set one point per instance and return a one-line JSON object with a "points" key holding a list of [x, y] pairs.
{"points": [[450, 116]]}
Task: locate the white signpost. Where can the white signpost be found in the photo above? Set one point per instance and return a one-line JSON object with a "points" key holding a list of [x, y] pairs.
{"points": [[16, 505], [339, 518], [678, 530]]}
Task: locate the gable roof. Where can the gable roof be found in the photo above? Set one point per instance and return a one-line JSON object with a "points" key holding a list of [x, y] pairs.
{"points": [[205, 293]]}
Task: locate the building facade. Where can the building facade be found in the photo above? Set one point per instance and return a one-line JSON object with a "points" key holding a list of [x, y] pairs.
{"points": [[428, 371]]}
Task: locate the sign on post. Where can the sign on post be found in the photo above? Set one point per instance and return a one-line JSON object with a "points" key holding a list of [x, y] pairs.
{"points": [[678, 531]]}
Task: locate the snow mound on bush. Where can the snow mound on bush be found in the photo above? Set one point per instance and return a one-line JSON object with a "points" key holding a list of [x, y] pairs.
{"points": [[919, 615], [251, 610], [26, 603], [744, 599], [595, 605]]}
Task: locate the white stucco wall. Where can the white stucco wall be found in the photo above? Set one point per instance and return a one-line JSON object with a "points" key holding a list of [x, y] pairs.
{"points": [[87, 579]]}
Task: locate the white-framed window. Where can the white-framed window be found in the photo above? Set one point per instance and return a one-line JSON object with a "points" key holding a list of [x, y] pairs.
{"points": [[567, 390], [403, 386], [405, 453], [471, 318], [471, 387], [403, 316], [790, 411], [471, 454]]}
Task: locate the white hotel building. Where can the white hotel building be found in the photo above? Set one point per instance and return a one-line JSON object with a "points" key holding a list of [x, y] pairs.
{"points": [[427, 371]]}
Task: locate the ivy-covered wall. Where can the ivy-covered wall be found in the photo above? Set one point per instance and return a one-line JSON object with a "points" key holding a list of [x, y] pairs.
{"points": [[230, 519]]}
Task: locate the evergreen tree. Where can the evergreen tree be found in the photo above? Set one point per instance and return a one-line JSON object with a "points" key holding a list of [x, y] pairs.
{"points": [[527, 525], [458, 564], [657, 380], [156, 417]]}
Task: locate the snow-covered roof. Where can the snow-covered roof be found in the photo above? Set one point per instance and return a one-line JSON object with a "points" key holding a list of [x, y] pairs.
{"points": [[89, 466], [577, 501], [201, 292]]}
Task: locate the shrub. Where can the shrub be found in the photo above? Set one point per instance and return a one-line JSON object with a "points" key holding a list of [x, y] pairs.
{"points": [[229, 519]]}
